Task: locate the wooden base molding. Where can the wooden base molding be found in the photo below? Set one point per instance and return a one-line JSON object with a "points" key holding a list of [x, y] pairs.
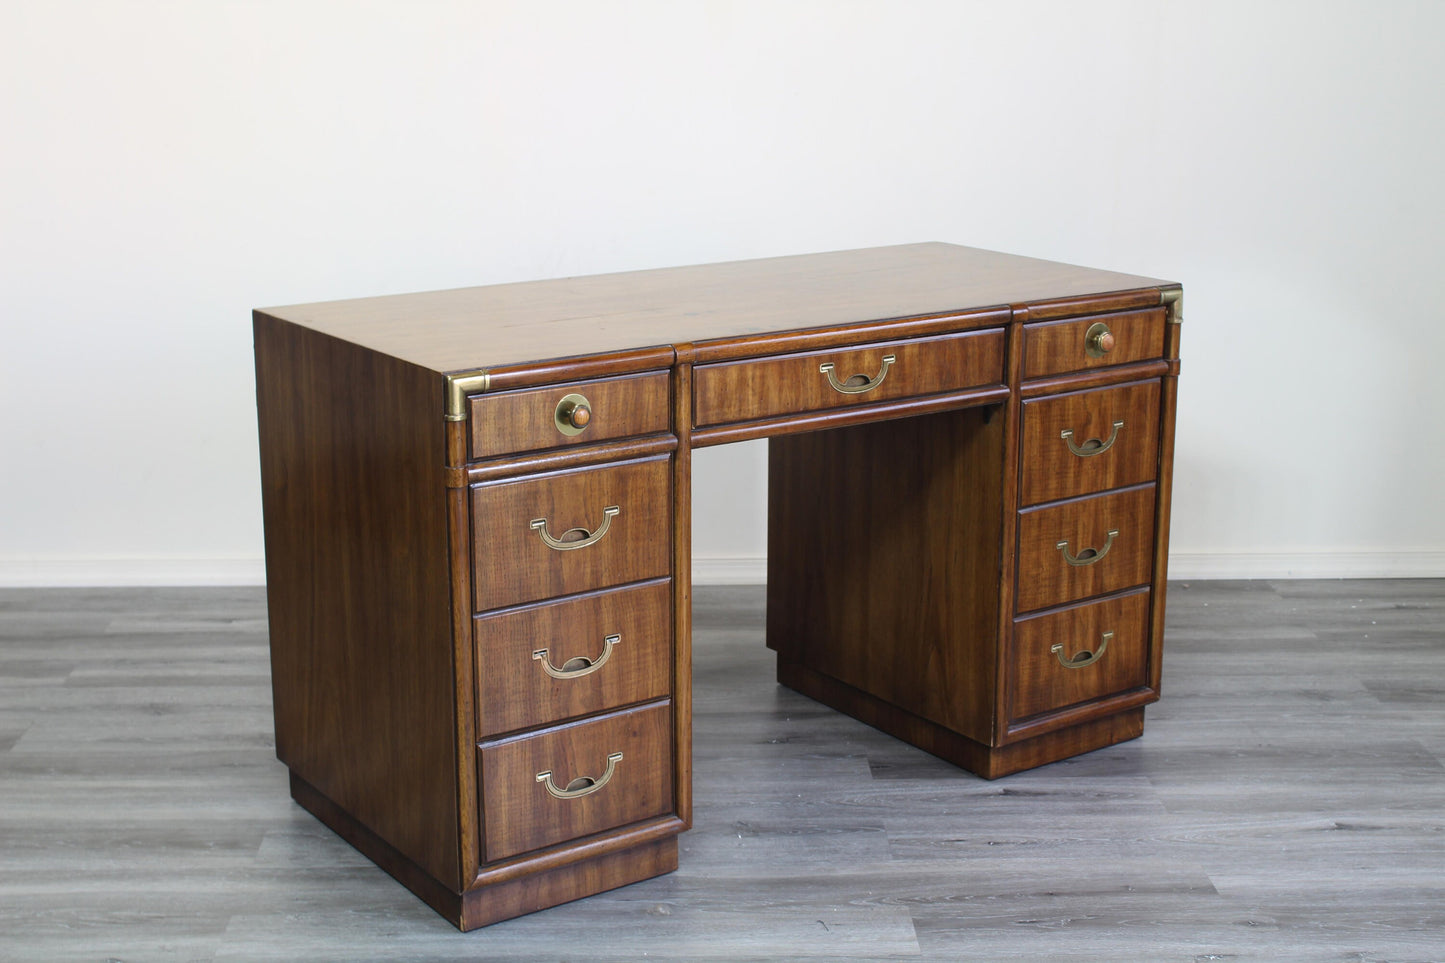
{"points": [[990, 762]]}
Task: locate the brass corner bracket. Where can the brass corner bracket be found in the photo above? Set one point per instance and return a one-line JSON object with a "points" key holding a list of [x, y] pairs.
{"points": [[1173, 300], [461, 385]]}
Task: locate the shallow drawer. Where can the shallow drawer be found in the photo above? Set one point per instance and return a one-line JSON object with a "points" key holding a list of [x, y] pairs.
{"points": [[1079, 654], [576, 780], [768, 387], [1058, 347], [570, 414], [1088, 546], [568, 532], [549, 662], [1089, 441]]}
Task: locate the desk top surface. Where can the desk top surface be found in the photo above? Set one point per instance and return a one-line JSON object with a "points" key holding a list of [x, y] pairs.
{"points": [[467, 328]]}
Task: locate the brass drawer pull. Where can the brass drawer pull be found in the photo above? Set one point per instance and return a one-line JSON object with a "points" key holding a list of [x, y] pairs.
{"points": [[581, 665], [857, 384], [1088, 556], [582, 785], [563, 544], [1082, 657], [1098, 340], [1093, 446]]}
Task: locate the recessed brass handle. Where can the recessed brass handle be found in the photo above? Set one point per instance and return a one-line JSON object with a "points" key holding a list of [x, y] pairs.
{"points": [[1082, 657], [1088, 556], [581, 665], [857, 384], [562, 544], [1098, 340], [573, 415], [1093, 446], [582, 785]]}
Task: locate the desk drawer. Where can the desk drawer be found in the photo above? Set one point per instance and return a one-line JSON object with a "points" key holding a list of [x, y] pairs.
{"points": [[537, 418], [1089, 441], [576, 780], [1082, 653], [1059, 347], [586, 654], [558, 534], [737, 391], [1084, 547]]}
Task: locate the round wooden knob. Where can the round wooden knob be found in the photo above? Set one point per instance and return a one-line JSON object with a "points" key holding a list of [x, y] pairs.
{"points": [[574, 413], [1099, 340]]}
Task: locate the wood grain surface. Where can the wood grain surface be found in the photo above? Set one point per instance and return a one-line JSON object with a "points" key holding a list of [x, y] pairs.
{"points": [[513, 565], [515, 692], [1059, 347], [791, 384], [883, 559], [1041, 683], [1051, 469], [357, 569], [524, 420], [1046, 578], [1287, 803], [503, 324], [519, 814]]}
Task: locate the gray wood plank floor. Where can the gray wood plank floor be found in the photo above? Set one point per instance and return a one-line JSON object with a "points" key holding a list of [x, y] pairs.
{"points": [[1287, 802]]}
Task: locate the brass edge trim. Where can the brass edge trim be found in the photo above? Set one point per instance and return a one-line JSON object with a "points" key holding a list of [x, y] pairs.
{"points": [[1173, 299], [461, 385]]}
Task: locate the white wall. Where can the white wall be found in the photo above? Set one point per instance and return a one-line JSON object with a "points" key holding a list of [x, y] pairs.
{"points": [[169, 165]]}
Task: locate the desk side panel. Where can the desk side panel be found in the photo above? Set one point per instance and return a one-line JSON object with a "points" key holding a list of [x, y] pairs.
{"points": [[357, 574], [883, 561]]}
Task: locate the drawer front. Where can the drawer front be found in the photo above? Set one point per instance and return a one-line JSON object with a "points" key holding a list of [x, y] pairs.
{"points": [[581, 779], [1089, 441], [579, 413], [1058, 347], [818, 380], [1085, 547], [1082, 653], [558, 534], [586, 654]]}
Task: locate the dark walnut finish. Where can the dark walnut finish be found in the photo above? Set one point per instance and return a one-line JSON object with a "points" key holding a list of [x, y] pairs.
{"points": [[618, 766], [1085, 546], [623, 510], [478, 520], [769, 387], [1096, 341], [527, 420], [1104, 650], [580, 655], [1090, 441]]}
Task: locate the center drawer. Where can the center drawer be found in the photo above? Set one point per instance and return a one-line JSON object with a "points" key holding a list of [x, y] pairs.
{"points": [[575, 780], [737, 391], [547, 535]]}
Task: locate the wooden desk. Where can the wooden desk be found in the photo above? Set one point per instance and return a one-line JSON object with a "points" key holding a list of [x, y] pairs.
{"points": [[477, 511]]}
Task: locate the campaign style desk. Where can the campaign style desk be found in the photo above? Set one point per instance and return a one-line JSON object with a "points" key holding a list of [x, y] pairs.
{"points": [[477, 513]]}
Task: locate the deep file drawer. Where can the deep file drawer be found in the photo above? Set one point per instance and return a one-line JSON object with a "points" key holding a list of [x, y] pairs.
{"points": [[1079, 654], [547, 535], [588, 653], [1084, 547], [575, 780]]}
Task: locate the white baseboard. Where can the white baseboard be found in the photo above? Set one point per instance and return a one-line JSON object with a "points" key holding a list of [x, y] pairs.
{"points": [[1206, 566], [713, 570], [105, 572]]}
